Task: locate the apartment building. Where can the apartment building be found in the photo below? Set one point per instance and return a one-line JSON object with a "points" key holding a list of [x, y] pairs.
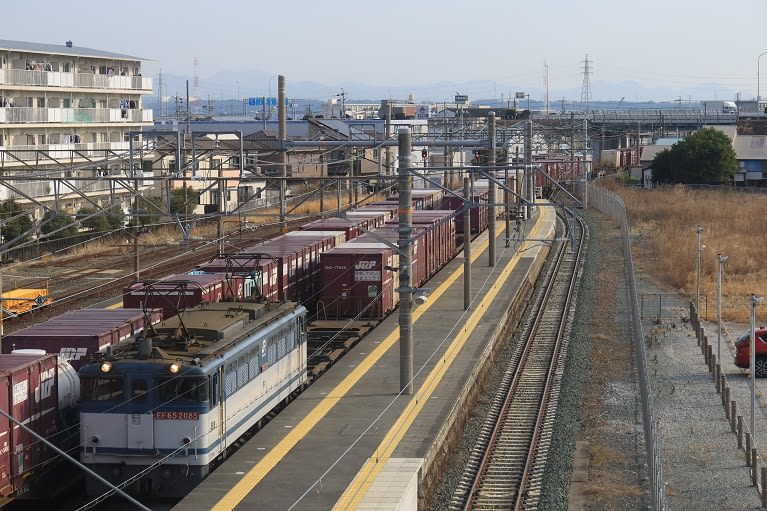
{"points": [[66, 111]]}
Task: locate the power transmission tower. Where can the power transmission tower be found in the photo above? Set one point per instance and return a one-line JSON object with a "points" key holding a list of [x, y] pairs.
{"points": [[586, 88]]}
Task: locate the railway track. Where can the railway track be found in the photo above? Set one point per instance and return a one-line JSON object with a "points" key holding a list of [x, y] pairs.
{"points": [[74, 281], [506, 466]]}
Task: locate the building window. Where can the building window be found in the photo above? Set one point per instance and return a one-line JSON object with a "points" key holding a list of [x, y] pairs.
{"points": [[40, 102], [66, 67]]}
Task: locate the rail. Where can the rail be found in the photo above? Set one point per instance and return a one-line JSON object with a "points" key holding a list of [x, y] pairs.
{"points": [[505, 467]]}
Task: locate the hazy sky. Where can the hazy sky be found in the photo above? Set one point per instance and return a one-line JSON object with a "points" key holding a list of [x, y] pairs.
{"points": [[677, 44]]}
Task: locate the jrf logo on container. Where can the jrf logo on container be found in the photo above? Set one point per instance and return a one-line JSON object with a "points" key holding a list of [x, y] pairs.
{"points": [[365, 265]]}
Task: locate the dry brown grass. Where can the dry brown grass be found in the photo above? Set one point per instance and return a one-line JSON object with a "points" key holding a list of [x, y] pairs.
{"points": [[666, 220], [164, 235]]}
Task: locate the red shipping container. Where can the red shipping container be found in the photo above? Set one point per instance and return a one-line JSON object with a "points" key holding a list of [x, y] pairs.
{"points": [[355, 282], [29, 393], [77, 335], [175, 293]]}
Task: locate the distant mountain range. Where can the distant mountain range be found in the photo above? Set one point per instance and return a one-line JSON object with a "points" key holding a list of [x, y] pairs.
{"points": [[259, 84]]}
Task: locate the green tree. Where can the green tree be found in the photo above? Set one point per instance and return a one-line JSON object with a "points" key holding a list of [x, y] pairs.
{"points": [[705, 157], [183, 201], [16, 222], [102, 221], [58, 225], [146, 212]]}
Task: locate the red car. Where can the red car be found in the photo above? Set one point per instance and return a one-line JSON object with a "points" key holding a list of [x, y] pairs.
{"points": [[742, 353]]}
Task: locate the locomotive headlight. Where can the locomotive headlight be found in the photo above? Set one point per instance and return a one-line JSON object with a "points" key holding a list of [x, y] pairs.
{"points": [[106, 367], [174, 367]]}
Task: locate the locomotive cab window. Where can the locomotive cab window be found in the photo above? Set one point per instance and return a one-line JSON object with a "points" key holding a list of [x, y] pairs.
{"points": [[139, 390], [175, 389], [100, 388]]}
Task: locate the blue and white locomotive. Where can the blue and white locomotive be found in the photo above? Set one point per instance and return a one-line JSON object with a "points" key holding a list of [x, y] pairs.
{"points": [[159, 410]]}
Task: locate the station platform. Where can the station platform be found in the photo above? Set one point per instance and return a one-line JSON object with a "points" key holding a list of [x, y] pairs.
{"points": [[351, 440]]}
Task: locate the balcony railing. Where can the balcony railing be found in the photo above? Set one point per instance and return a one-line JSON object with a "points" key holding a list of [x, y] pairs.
{"points": [[29, 115], [63, 154], [81, 80]]}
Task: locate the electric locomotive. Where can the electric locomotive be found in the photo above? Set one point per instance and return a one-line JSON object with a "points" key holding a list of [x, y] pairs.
{"points": [[159, 410]]}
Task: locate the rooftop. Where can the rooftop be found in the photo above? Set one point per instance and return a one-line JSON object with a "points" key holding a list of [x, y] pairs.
{"points": [[62, 49]]}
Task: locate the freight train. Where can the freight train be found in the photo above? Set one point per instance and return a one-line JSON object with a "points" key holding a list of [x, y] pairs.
{"points": [[196, 360]]}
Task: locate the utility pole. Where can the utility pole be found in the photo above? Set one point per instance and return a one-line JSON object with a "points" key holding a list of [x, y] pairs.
{"points": [[467, 200], [491, 191], [405, 261], [529, 178], [388, 137], [282, 137]]}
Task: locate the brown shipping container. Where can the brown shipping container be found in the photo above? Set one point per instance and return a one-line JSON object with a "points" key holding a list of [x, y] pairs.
{"points": [[319, 242], [30, 395], [443, 238], [389, 210], [77, 335], [263, 270], [422, 198], [420, 259], [183, 291], [478, 214], [349, 227], [373, 218], [355, 282]]}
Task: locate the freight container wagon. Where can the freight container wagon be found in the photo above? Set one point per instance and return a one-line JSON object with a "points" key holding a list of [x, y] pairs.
{"points": [[420, 256], [356, 283], [260, 272], [391, 207], [19, 301], [373, 218], [39, 392], [478, 214], [77, 335], [422, 198], [349, 227], [440, 235], [175, 293]]}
